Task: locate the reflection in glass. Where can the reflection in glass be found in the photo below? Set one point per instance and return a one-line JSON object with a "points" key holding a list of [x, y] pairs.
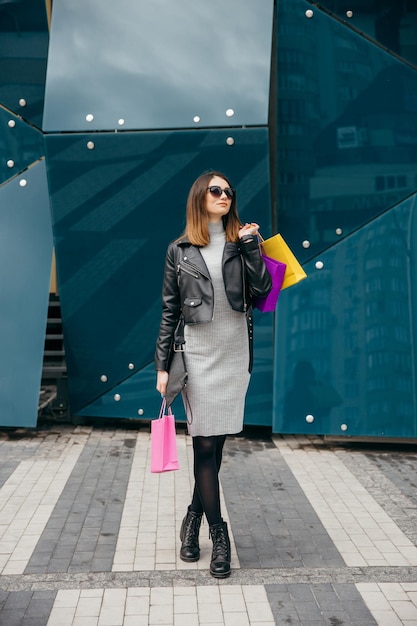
{"points": [[346, 337], [23, 54], [392, 23], [158, 64], [346, 140]]}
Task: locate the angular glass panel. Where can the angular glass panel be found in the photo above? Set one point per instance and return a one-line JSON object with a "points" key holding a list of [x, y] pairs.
{"points": [[25, 269], [23, 53], [116, 205], [345, 350], [20, 145], [346, 131], [392, 23], [155, 65]]}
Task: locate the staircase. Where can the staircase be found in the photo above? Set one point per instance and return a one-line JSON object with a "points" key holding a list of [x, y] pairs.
{"points": [[53, 398]]}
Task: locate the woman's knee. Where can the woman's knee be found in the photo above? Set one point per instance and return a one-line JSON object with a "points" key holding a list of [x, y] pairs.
{"points": [[205, 447]]}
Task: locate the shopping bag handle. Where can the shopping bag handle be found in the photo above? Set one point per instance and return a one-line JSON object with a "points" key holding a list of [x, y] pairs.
{"points": [[163, 407]]}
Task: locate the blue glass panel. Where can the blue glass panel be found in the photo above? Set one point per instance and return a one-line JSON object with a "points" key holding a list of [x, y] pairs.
{"points": [[20, 145], [345, 337], [346, 131], [392, 23], [158, 65], [115, 208], [134, 398], [25, 268], [23, 53]]}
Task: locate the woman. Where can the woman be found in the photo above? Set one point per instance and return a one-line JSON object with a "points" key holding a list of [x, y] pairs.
{"points": [[211, 275]]}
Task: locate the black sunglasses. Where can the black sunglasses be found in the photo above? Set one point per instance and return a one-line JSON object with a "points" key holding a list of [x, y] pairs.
{"points": [[217, 191]]}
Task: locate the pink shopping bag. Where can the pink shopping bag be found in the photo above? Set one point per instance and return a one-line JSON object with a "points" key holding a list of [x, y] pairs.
{"points": [[276, 270], [164, 456]]}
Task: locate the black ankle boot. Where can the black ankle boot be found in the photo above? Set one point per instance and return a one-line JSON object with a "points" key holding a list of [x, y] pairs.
{"points": [[220, 557], [190, 528]]}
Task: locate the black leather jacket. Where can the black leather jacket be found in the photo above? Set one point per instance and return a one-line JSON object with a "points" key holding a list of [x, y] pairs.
{"points": [[187, 288]]}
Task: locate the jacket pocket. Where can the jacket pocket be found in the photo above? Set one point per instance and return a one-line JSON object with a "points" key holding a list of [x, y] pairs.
{"points": [[192, 302]]}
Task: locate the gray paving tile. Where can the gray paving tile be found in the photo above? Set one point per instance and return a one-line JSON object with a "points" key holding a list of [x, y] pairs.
{"points": [[91, 504], [6, 470], [269, 504]]}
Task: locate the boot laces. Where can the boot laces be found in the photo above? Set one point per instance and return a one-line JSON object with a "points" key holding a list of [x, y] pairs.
{"points": [[192, 528], [220, 547]]}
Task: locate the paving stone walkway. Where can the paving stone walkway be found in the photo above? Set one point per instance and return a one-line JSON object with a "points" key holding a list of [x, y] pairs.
{"points": [[322, 532]]}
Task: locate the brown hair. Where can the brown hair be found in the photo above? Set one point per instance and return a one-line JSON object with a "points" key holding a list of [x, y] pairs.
{"points": [[196, 214]]}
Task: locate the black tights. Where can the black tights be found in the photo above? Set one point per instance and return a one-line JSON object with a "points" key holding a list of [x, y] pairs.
{"points": [[207, 461]]}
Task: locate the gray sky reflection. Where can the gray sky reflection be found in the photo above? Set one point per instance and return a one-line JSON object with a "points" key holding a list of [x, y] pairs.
{"points": [[159, 63]]}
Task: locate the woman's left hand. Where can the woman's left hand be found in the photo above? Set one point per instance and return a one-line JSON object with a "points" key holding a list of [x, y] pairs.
{"points": [[249, 229]]}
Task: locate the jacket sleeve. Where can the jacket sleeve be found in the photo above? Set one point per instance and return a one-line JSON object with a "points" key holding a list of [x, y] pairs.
{"points": [[171, 310], [259, 279]]}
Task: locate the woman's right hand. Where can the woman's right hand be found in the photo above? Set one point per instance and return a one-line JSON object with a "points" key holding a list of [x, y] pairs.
{"points": [[161, 382]]}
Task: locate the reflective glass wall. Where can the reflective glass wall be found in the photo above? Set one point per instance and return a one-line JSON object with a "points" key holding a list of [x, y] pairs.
{"points": [[25, 217], [310, 107], [345, 132]]}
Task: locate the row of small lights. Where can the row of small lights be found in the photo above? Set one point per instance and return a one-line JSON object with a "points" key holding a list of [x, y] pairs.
{"points": [[310, 13], [310, 420], [196, 119]]}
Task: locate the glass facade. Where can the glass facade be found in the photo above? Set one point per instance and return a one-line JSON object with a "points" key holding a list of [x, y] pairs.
{"points": [[25, 266], [24, 41], [346, 129], [149, 65], [310, 108], [390, 23], [346, 337]]}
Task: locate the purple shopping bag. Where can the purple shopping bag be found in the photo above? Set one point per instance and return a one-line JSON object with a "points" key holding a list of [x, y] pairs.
{"points": [[276, 270], [164, 456]]}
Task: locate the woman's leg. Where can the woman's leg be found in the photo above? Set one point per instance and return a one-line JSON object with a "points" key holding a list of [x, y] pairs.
{"points": [[207, 461]]}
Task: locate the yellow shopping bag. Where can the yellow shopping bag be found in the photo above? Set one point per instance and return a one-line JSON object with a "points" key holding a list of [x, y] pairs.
{"points": [[276, 248]]}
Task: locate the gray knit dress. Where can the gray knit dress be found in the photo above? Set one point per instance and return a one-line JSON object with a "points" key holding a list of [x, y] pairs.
{"points": [[217, 357]]}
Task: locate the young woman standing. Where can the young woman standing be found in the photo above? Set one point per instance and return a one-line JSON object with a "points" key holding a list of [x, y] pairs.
{"points": [[212, 273]]}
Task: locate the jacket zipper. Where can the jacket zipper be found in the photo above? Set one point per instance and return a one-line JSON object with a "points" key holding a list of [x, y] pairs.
{"points": [[245, 306], [187, 270]]}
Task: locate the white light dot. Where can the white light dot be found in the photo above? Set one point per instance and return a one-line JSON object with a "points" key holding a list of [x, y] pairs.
{"points": [[196, 119], [11, 123], [306, 243], [319, 265], [230, 112], [230, 141], [103, 378], [22, 102], [343, 427], [349, 13], [121, 122], [141, 411], [309, 13], [89, 117], [117, 397], [131, 366], [23, 182], [339, 231], [10, 163], [90, 145], [309, 418]]}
